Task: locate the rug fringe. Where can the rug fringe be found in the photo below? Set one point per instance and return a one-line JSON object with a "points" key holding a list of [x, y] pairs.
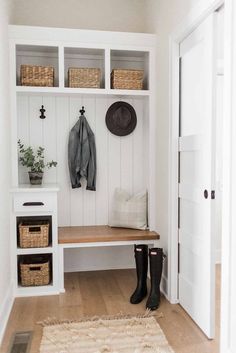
{"points": [[55, 321]]}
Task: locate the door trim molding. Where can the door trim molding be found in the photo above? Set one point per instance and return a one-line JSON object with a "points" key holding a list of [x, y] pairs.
{"points": [[228, 282], [192, 20]]}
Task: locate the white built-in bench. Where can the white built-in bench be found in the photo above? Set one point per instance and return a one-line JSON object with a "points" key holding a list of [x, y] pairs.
{"points": [[99, 236]]}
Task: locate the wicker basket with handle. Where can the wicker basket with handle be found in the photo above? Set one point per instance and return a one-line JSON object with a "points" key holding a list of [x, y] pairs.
{"points": [[35, 271], [34, 235], [84, 77], [33, 75], [127, 79]]}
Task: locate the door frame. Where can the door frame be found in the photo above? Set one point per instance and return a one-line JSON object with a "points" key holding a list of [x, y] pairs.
{"points": [[197, 15]]}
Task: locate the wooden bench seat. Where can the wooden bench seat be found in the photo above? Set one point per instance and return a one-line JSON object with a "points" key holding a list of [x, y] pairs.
{"points": [[96, 234], [99, 236]]}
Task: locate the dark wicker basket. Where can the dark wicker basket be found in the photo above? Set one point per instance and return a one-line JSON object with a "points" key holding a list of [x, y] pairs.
{"points": [[33, 235], [35, 271]]}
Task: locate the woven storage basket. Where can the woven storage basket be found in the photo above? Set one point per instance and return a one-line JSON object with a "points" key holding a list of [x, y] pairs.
{"points": [[127, 79], [34, 235], [31, 75], [84, 77], [35, 272]]}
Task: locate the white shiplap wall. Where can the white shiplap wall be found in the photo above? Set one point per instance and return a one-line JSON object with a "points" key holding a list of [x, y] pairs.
{"points": [[121, 162]]}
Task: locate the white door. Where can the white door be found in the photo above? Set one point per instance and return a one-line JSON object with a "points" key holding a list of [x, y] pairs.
{"points": [[196, 176]]}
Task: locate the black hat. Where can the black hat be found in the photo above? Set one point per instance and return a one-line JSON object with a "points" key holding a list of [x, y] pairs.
{"points": [[121, 118]]}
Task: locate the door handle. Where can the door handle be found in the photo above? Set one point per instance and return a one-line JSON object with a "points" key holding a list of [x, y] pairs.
{"points": [[212, 194]]}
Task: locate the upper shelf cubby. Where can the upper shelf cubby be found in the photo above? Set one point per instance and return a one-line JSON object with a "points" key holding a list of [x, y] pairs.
{"points": [[84, 58], [37, 55], [80, 70], [132, 60]]}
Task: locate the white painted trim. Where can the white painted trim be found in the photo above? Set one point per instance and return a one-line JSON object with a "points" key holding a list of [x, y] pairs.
{"points": [[108, 243], [220, 68], [100, 268], [192, 20], [58, 91], [87, 38], [5, 310], [173, 174], [164, 284], [218, 256]]}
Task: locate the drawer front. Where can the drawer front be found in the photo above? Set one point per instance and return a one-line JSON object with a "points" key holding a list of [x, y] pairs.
{"points": [[33, 202]]}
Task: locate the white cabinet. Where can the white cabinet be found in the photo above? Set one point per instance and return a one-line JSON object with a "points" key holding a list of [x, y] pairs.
{"points": [[128, 162], [33, 202], [25, 210]]}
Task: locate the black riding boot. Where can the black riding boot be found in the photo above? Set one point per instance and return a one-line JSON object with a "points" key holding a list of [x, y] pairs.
{"points": [[156, 261], [141, 259]]}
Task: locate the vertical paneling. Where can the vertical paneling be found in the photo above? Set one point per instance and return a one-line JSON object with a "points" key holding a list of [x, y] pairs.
{"points": [[77, 195], [146, 147], [114, 163], [126, 158], [102, 165], [89, 204], [23, 132], [63, 179], [138, 149], [35, 124], [50, 137], [121, 161]]}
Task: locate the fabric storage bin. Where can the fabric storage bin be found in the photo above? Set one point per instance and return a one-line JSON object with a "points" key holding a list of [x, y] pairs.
{"points": [[84, 77], [33, 235], [35, 271], [32, 75], [127, 79]]}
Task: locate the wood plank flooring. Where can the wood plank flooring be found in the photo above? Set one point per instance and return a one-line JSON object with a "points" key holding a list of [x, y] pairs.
{"points": [[107, 292]]}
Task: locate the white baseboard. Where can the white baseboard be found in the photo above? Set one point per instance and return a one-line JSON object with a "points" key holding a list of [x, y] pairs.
{"points": [[100, 268], [5, 310], [164, 286], [218, 256]]}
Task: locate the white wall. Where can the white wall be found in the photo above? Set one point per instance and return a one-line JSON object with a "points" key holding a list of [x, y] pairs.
{"points": [[113, 15], [5, 275]]}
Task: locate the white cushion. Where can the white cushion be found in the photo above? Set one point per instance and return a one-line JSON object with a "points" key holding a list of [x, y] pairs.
{"points": [[129, 211]]}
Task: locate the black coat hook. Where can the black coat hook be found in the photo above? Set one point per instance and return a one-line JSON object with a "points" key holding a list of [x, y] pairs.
{"points": [[42, 110], [82, 111]]}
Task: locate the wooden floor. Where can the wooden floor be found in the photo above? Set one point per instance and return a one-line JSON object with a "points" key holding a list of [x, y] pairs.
{"points": [[107, 292]]}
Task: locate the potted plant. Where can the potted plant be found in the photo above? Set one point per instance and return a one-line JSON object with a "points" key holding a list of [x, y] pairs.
{"points": [[34, 161]]}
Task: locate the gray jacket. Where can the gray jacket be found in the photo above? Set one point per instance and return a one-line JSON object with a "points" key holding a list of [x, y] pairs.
{"points": [[82, 155]]}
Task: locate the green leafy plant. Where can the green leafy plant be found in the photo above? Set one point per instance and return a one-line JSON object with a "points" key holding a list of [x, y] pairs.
{"points": [[33, 160]]}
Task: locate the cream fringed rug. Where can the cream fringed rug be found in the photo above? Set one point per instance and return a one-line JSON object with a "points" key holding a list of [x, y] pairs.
{"points": [[105, 335]]}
